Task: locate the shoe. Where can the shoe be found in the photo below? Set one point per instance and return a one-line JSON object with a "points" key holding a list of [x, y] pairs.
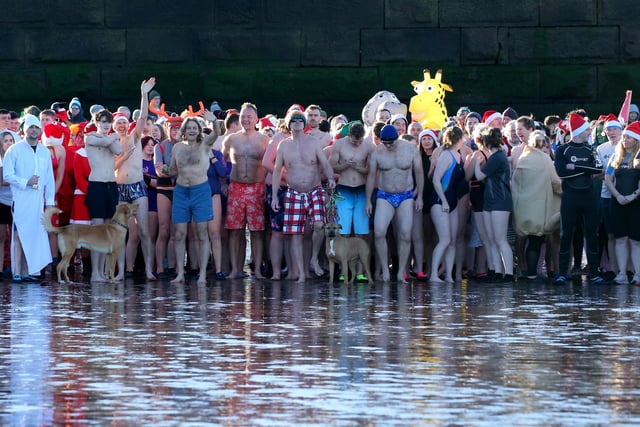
{"points": [[635, 281], [17, 278], [597, 280], [421, 276], [221, 276], [129, 274], [30, 279], [162, 276], [507, 278], [560, 280], [341, 278], [621, 279], [361, 278]]}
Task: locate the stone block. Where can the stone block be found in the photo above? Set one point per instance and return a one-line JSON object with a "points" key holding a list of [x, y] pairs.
{"points": [[493, 85], [160, 14], [281, 46], [630, 43], [23, 86], [410, 13], [485, 45], [238, 14], [321, 47], [77, 13], [563, 45], [316, 85], [613, 12], [568, 12], [479, 13], [146, 45], [336, 14], [65, 81], [76, 46], [12, 42], [615, 80], [435, 45], [559, 82], [36, 11]]}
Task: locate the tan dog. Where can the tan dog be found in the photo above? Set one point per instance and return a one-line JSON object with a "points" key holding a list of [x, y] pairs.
{"points": [[106, 238], [345, 250]]}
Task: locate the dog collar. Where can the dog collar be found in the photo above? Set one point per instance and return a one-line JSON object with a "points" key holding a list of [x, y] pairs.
{"points": [[120, 224]]}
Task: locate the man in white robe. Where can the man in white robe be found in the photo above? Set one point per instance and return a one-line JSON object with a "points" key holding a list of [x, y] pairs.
{"points": [[27, 167]]}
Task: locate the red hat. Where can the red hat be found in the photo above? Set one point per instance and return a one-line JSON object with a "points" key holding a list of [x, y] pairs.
{"points": [[53, 135], [490, 116], [633, 130], [612, 121], [119, 116], [577, 124], [266, 122], [431, 132]]}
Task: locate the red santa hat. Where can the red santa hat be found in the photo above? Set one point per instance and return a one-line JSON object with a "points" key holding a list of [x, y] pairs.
{"points": [[267, 122], [611, 121], [53, 135], [577, 124], [490, 116], [430, 132], [633, 130]]}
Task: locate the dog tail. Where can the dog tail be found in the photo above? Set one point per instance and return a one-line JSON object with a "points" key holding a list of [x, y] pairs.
{"points": [[46, 220]]}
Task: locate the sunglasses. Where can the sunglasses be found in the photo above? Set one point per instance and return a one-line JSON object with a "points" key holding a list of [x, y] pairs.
{"points": [[297, 120], [389, 142]]}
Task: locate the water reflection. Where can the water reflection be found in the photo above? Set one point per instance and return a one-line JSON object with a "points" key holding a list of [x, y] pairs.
{"points": [[276, 353]]}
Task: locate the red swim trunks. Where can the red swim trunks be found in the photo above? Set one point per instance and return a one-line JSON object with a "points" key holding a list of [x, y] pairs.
{"points": [[245, 203], [299, 206]]}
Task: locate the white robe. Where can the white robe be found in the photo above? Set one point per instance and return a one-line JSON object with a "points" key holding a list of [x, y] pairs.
{"points": [[19, 165]]}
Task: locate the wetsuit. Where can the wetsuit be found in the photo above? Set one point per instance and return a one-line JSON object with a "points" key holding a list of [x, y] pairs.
{"points": [[578, 199]]}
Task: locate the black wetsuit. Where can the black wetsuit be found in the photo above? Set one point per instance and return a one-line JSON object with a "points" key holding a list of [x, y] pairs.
{"points": [[578, 199]]}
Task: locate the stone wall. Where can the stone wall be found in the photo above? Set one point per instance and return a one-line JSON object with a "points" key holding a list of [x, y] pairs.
{"points": [[539, 56]]}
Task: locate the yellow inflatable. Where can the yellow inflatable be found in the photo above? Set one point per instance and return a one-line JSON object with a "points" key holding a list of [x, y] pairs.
{"points": [[427, 106]]}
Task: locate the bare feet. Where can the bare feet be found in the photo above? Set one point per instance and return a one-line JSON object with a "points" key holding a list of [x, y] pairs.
{"points": [[151, 277], [386, 276], [401, 279], [202, 280], [98, 279], [318, 271], [179, 279], [448, 280], [435, 279], [301, 279], [259, 276]]}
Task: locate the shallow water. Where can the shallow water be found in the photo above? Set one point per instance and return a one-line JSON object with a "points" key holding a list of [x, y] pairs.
{"points": [[276, 353]]}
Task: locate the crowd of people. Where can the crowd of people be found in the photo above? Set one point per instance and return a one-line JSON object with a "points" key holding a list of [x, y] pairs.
{"points": [[495, 197]]}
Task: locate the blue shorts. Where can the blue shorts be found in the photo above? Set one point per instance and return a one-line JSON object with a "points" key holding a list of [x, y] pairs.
{"points": [[351, 209], [192, 202]]}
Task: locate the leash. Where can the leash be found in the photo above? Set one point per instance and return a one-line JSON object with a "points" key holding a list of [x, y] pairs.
{"points": [[126, 227], [331, 208]]}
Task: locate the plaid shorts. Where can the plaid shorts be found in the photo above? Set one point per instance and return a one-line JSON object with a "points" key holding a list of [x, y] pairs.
{"points": [[299, 206]]}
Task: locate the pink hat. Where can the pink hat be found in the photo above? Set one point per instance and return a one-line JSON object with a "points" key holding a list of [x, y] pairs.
{"points": [[577, 124], [633, 130], [490, 116]]}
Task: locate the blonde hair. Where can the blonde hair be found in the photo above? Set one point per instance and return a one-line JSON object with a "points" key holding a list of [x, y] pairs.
{"points": [[537, 139], [621, 153]]}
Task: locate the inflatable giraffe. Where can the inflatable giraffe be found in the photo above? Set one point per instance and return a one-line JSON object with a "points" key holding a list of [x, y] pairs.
{"points": [[427, 106]]}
